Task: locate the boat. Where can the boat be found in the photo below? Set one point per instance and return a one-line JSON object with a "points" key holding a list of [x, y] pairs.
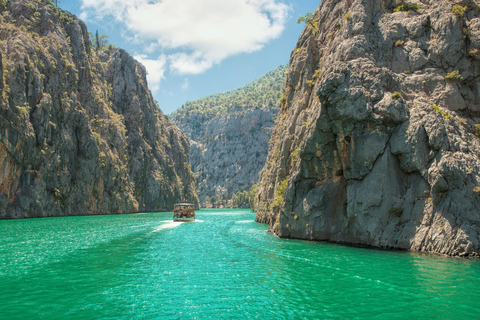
{"points": [[184, 212]]}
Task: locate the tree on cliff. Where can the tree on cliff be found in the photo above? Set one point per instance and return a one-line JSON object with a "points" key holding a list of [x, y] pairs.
{"points": [[311, 23], [99, 41], [261, 93], [101, 171], [55, 1]]}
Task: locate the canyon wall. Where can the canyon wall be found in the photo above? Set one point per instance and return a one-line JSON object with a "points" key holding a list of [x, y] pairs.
{"points": [[80, 132], [229, 134], [376, 142]]}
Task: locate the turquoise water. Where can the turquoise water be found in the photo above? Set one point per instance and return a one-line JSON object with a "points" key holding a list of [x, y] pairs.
{"points": [[223, 266]]}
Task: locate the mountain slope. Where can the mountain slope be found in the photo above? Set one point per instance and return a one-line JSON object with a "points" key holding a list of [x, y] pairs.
{"points": [[375, 143], [79, 130], [229, 134]]}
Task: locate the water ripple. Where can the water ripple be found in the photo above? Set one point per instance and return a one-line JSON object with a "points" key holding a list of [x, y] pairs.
{"points": [[223, 266]]}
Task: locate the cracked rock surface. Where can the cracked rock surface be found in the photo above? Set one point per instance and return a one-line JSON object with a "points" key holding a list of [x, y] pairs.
{"points": [[376, 141], [229, 134], [227, 153], [80, 132]]}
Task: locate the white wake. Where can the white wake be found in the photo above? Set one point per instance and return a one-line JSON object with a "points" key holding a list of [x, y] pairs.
{"points": [[245, 221], [169, 225]]}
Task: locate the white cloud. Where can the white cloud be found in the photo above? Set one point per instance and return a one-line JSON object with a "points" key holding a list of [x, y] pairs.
{"points": [[101, 8], [201, 32], [151, 48], [84, 16], [189, 64], [155, 68]]}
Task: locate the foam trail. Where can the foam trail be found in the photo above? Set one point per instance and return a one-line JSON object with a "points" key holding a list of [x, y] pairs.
{"points": [[169, 225]]}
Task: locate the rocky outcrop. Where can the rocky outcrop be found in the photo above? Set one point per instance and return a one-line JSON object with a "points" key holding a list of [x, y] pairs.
{"points": [[79, 130], [375, 143], [230, 152], [228, 148]]}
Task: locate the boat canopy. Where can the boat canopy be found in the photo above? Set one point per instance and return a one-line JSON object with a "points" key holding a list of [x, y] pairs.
{"points": [[183, 204]]}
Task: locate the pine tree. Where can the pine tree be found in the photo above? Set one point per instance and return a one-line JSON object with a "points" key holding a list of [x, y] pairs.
{"points": [[97, 41], [100, 41]]}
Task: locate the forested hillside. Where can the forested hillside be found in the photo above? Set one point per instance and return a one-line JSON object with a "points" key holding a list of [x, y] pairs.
{"points": [[229, 134], [263, 93]]}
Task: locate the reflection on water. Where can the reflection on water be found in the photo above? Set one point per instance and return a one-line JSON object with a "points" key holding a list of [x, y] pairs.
{"points": [[441, 280], [223, 265]]}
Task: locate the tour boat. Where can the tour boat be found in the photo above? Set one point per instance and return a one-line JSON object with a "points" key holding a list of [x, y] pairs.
{"points": [[184, 212]]}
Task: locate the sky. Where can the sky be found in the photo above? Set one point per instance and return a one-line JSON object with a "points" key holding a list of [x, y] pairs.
{"points": [[195, 48]]}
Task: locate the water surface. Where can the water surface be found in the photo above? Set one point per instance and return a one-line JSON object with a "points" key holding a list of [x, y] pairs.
{"points": [[223, 266]]}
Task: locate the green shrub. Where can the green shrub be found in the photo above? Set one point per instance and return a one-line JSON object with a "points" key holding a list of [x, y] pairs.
{"points": [[462, 121], [396, 95], [443, 113], [97, 136], [458, 10], [348, 15], [330, 35], [279, 194], [294, 156], [23, 111], [406, 7], [473, 52], [3, 5], [454, 76], [103, 159], [399, 43], [406, 72], [477, 130]]}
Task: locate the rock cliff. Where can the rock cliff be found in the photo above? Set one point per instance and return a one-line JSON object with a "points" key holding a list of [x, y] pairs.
{"points": [[377, 138], [229, 134], [79, 130]]}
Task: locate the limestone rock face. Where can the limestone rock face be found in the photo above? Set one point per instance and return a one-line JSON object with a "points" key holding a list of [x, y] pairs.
{"points": [[228, 153], [79, 130], [229, 134], [376, 141]]}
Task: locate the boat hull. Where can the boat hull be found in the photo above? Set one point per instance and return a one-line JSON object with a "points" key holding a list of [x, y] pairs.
{"points": [[183, 219]]}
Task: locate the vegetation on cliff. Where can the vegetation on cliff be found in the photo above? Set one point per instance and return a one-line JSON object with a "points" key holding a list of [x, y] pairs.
{"points": [[229, 134], [375, 138], [263, 93], [80, 132], [240, 199]]}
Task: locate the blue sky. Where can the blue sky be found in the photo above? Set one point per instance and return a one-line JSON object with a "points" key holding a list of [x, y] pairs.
{"points": [[195, 48]]}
